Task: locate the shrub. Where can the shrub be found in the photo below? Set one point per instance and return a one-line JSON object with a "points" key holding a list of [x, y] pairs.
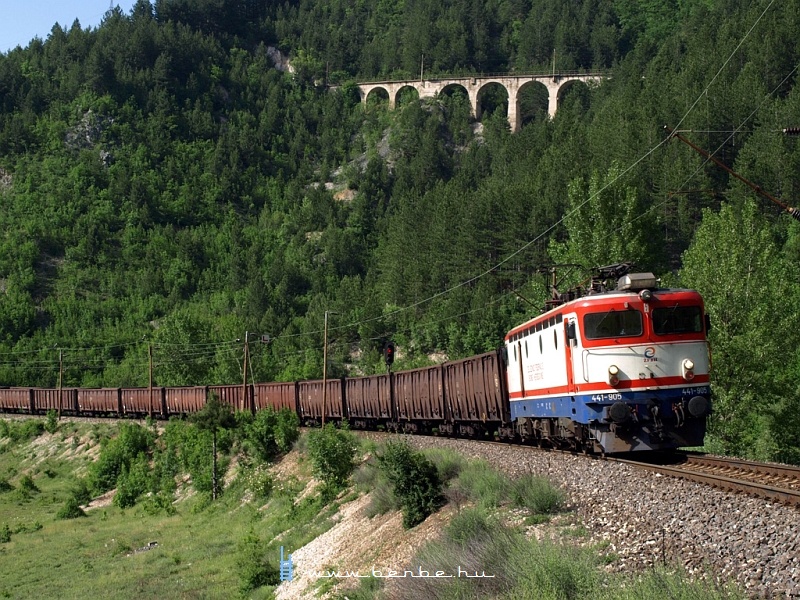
{"points": [[35, 526], [254, 568], [189, 449], [415, 482], [370, 479], [5, 534], [382, 501], [80, 491], [159, 502], [133, 482], [469, 525], [367, 476], [262, 484], [25, 430], [270, 432], [5, 486], [51, 426], [70, 510], [27, 484], [117, 453], [287, 429], [260, 435], [448, 463], [332, 452], [165, 468], [482, 484], [472, 543]]}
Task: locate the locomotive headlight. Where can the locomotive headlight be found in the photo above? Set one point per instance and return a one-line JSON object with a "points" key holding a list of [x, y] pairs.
{"points": [[646, 295], [687, 369], [613, 375]]}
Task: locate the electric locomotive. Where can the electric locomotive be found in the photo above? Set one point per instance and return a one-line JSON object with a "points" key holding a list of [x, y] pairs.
{"points": [[614, 370]]}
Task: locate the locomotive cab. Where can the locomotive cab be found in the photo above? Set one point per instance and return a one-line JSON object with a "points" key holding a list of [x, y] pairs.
{"points": [[631, 372]]}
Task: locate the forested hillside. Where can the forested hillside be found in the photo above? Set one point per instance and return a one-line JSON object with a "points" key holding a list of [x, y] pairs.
{"points": [[164, 186]]}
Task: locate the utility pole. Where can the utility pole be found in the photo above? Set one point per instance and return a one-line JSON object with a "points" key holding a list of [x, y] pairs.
{"points": [[244, 370], [150, 384], [60, 380], [325, 366]]}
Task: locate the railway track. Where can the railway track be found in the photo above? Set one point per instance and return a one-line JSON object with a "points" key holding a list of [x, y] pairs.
{"points": [[779, 483], [776, 482]]}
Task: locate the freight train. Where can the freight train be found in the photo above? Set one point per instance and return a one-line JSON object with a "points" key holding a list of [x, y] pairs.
{"points": [[608, 370]]}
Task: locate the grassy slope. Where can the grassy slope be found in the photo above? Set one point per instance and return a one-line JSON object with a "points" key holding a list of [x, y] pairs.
{"points": [[197, 551]]}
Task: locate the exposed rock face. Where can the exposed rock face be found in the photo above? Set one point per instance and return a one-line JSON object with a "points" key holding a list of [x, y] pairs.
{"points": [[280, 61]]}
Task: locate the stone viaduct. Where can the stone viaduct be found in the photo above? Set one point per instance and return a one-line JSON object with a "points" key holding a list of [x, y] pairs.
{"points": [[555, 83]]}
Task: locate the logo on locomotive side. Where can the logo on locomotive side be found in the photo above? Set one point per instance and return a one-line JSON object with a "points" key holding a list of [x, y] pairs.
{"points": [[650, 354]]}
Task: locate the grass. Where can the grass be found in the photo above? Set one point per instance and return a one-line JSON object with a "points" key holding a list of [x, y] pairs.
{"points": [[510, 566], [477, 541], [482, 484], [91, 556], [198, 551]]}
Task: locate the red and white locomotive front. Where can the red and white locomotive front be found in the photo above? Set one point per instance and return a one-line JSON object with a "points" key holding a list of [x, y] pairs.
{"points": [[631, 371]]}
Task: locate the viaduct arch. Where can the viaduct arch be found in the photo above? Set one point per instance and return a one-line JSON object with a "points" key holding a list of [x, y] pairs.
{"points": [[555, 84]]}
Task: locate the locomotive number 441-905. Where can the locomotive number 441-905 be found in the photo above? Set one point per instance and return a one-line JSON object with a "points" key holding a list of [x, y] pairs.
{"points": [[606, 397]]}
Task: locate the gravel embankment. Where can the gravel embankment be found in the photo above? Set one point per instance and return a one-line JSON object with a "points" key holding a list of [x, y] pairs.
{"points": [[649, 518]]}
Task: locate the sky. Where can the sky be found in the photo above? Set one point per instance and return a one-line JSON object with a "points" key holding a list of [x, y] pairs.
{"points": [[23, 20]]}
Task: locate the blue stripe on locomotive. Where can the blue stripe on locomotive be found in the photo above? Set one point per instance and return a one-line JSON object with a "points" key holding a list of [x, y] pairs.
{"points": [[586, 408]]}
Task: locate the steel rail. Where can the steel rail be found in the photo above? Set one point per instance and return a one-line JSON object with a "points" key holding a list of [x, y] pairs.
{"points": [[783, 495], [785, 492], [771, 469]]}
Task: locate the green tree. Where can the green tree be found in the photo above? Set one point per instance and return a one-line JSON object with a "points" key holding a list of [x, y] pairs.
{"points": [[415, 482], [736, 264], [214, 417], [333, 453], [605, 223]]}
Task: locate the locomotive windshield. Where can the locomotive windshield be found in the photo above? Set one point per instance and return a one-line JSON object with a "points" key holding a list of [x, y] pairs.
{"points": [[677, 319], [611, 324]]}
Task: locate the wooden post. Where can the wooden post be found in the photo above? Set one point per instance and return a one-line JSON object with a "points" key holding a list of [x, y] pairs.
{"points": [[244, 369], [325, 369], [150, 384], [60, 380]]}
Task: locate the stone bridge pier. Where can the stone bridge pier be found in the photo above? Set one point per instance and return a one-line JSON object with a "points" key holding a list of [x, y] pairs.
{"points": [[554, 83]]}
